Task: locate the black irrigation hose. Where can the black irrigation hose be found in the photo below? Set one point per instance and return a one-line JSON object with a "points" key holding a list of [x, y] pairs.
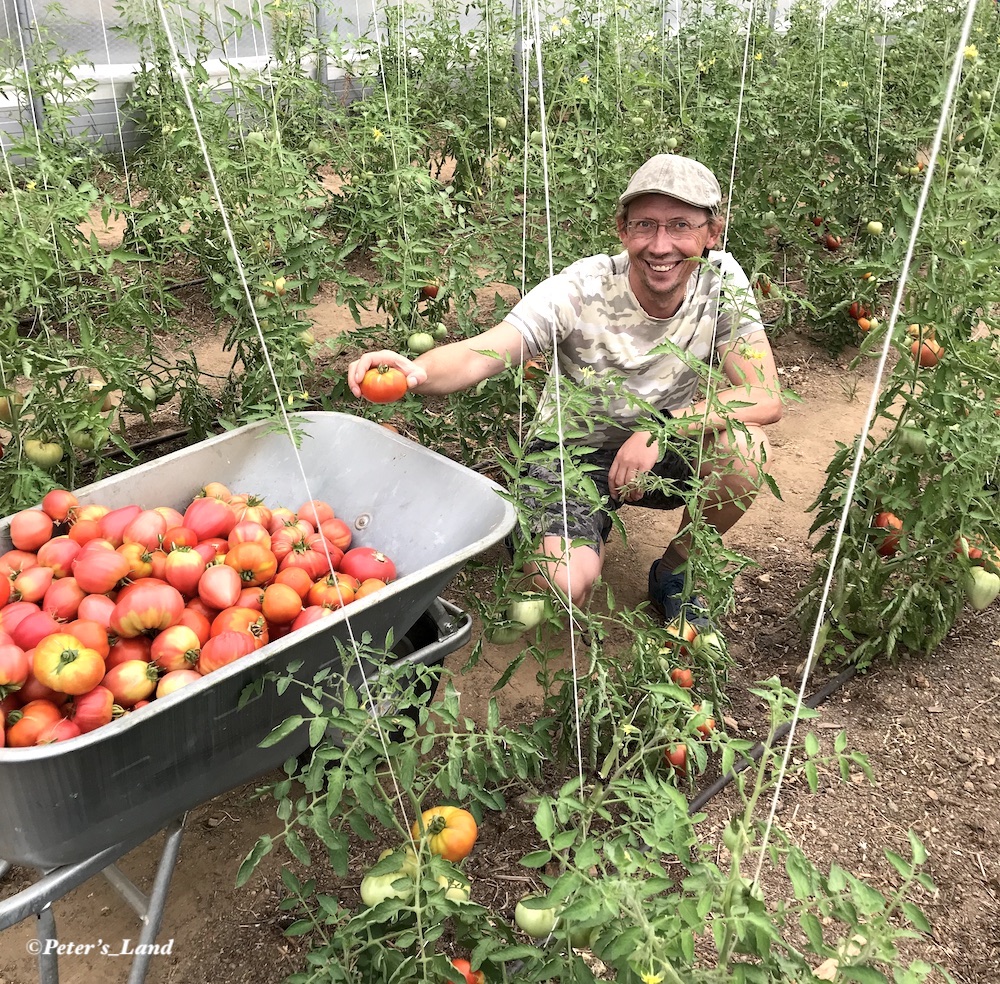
{"points": [[755, 753]]}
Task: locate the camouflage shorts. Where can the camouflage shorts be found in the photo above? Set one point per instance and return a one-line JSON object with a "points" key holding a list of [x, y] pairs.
{"points": [[583, 522]]}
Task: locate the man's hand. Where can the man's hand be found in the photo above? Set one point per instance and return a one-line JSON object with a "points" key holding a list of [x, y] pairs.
{"points": [[415, 374], [635, 457]]}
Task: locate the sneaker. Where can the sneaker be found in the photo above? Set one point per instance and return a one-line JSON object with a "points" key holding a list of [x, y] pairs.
{"points": [[666, 593]]}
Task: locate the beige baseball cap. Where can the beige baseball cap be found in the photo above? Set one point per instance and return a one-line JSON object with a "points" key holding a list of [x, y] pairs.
{"points": [[679, 177]]}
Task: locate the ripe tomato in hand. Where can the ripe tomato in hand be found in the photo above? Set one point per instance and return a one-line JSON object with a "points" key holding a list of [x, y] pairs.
{"points": [[383, 384]]}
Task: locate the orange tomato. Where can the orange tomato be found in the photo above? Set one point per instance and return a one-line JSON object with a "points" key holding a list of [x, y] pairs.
{"points": [[448, 831]]}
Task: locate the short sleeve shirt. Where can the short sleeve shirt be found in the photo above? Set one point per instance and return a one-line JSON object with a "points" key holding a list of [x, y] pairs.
{"points": [[600, 333]]}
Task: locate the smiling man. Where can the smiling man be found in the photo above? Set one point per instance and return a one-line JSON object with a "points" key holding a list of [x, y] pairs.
{"points": [[629, 329]]}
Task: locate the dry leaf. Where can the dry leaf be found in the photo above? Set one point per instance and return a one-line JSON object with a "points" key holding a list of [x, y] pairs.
{"points": [[827, 970], [936, 709]]}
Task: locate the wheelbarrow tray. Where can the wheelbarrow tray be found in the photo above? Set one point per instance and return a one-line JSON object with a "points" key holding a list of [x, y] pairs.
{"points": [[62, 803]]}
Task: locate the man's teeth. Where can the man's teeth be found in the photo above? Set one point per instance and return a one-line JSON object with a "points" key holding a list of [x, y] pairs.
{"points": [[662, 268]]}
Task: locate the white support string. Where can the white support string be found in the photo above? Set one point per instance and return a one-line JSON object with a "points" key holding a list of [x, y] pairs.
{"points": [[848, 497], [286, 421]]}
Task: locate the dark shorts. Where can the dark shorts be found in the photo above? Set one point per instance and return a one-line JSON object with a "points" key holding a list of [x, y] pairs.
{"points": [[583, 521]]}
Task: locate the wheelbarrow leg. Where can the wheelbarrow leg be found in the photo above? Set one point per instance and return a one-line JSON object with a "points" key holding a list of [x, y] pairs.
{"points": [[149, 908], [48, 961]]}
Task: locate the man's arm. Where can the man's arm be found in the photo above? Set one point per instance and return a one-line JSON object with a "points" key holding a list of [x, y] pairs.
{"points": [[748, 364], [449, 368]]}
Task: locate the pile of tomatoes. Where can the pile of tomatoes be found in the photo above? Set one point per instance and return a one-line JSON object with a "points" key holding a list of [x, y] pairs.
{"points": [[103, 610]]}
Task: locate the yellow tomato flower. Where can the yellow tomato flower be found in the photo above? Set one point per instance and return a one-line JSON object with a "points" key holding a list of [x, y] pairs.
{"points": [[651, 978], [971, 52], [565, 21], [701, 66], [842, 84], [583, 79], [759, 56], [377, 133], [30, 186]]}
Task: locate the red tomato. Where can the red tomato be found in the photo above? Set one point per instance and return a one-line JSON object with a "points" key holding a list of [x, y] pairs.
{"points": [[177, 647], [683, 677], [174, 680], [64, 664], [315, 555], [832, 243], [183, 568], [333, 591], [310, 614], [85, 530], [199, 623], [676, 756], [131, 681], [59, 554], [34, 627], [219, 587], [92, 634], [429, 291], [30, 528], [247, 531], [893, 525], [14, 668], [113, 523], [172, 516], [254, 563], [13, 614], [223, 649], [315, 511], [146, 606], [295, 577], [61, 730], [209, 517], [4, 590], [368, 586], [147, 528], [705, 725], [926, 353], [383, 384], [140, 560], [216, 490], [96, 608], [250, 509], [15, 561], [281, 516], [245, 620], [469, 976], [123, 650], [27, 723], [98, 568], [251, 598], [31, 585], [59, 505], [91, 710], [179, 536], [281, 603], [366, 562]]}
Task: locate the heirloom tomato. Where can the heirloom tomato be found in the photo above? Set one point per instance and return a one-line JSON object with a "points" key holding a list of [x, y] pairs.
{"points": [[384, 384], [448, 831], [64, 664], [25, 725], [29, 529], [366, 562], [131, 681]]}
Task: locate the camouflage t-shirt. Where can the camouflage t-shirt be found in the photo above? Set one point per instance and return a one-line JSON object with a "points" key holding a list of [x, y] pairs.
{"points": [[608, 345]]}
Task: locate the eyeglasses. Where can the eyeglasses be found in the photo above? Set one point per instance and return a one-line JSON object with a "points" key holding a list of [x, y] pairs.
{"points": [[675, 228]]}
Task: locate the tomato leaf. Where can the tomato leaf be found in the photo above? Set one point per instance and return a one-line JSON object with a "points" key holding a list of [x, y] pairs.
{"points": [[544, 820], [863, 975], [919, 852], [261, 849], [901, 865], [812, 745], [536, 859], [296, 848], [813, 929], [916, 917], [282, 731]]}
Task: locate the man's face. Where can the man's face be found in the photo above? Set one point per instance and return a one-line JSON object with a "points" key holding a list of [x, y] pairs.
{"points": [[662, 261]]}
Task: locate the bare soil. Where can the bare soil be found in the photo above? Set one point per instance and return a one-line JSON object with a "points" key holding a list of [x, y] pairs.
{"points": [[931, 728]]}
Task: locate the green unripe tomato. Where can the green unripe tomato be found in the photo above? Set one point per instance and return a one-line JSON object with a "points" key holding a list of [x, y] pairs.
{"points": [[535, 138], [769, 219], [439, 330], [256, 137], [914, 439], [638, 120], [874, 228], [500, 122], [307, 338], [45, 454], [528, 611], [537, 923], [532, 101], [378, 888], [647, 104], [671, 143], [420, 342]]}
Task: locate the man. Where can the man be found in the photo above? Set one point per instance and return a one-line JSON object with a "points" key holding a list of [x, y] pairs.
{"points": [[627, 329]]}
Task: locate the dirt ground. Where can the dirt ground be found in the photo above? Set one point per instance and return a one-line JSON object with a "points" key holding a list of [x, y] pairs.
{"points": [[930, 727]]}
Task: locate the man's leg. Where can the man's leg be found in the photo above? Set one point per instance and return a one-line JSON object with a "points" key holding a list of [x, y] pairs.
{"points": [[732, 473], [574, 572]]}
